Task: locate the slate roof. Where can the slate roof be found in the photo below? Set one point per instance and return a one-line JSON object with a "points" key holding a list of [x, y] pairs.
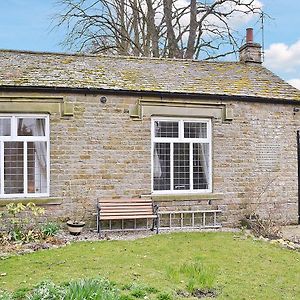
{"points": [[57, 70]]}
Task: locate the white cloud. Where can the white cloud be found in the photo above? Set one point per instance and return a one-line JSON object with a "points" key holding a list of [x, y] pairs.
{"points": [[239, 17], [283, 57], [295, 82]]}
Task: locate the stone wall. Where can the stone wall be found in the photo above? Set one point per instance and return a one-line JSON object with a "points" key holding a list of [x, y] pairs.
{"points": [[255, 161], [102, 152]]}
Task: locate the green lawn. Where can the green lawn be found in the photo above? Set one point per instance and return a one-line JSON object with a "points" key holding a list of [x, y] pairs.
{"points": [[242, 268]]}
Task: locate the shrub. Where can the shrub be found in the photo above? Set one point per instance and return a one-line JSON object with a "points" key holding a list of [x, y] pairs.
{"points": [[46, 290], [92, 289], [139, 290], [20, 222], [4, 295], [126, 297], [138, 293], [20, 293], [195, 274], [262, 227], [164, 296], [49, 229], [199, 276], [89, 289]]}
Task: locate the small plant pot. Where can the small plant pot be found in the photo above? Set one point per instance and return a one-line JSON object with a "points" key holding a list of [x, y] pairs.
{"points": [[75, 227]]}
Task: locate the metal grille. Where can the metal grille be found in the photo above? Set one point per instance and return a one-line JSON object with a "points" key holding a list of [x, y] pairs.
{"points": [[13, 167], [166, 129], [200, 166], [195, 130], [181, 166], [161, 166], [189, 219], [37, 167]]}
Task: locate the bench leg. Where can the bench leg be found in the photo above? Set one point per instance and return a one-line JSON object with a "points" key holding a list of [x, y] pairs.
{"points": [[99, 231], [98, 224], [153, 225]]}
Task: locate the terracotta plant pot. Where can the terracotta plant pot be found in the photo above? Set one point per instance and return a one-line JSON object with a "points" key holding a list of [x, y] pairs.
{"points": [[75, 227]]}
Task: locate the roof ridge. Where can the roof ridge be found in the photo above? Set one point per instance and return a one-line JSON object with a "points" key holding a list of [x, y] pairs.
{"points": [[81, 54]]}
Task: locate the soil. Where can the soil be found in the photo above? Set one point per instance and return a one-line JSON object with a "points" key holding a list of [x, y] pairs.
{"points": [[198, 293]]}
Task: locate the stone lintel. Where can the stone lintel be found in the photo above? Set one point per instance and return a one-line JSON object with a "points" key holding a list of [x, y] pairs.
{"points": [[35, 104], [199, 109]]}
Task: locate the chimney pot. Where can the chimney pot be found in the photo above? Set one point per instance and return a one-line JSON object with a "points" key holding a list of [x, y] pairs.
{"points": [[249, 35]]}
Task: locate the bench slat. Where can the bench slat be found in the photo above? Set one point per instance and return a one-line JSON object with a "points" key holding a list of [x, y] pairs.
{"points": [[126, 213], [134, 208], [127, 217], [124, 201], [124, 205]]}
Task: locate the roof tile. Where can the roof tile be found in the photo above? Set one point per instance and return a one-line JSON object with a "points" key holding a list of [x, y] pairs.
{"points": [[33, 69]]}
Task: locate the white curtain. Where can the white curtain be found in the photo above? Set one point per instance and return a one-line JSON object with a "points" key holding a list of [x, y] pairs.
{"points": [[156, 165], [204, 158], [37, 128], [40, 157]]}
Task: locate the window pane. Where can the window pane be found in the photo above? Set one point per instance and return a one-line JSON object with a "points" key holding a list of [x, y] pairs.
{"points": [[166, 129], [181, 166], [37, 167], [201, 166], [13, 168], [161, 167], [4, 127], [195, 130], [31, 127]]}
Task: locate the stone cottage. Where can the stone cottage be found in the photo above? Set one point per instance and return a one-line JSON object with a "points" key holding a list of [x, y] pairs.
{"points": [[188, 134]]}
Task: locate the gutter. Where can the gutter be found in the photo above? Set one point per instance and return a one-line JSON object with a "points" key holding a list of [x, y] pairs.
{"points": [[89, 91]]}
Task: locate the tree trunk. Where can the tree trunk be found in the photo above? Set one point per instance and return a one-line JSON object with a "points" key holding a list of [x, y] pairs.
{"points": [[190, 50], [152, 28], [172, 43], [123, 42], [135, 23]]}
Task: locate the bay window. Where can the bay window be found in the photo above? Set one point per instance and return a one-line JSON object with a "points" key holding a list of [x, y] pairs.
{"points": [[24, 156], [181, 155]]}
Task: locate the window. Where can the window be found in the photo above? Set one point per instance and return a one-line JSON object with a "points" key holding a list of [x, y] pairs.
{"points": [[181, 155], [24, 156]]}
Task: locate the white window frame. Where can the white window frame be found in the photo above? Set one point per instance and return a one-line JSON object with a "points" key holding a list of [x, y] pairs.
{"points": [[15, 138], [181, 139]]}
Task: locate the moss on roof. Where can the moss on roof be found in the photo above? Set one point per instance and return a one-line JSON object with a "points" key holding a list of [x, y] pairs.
{"points": [[33, 69]]}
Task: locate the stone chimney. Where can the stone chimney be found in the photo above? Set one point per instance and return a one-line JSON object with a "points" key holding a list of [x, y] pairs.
{"points": [[250, 52]]}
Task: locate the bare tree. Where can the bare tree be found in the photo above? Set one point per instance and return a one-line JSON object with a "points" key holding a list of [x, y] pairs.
{"points": [[157, 28]]}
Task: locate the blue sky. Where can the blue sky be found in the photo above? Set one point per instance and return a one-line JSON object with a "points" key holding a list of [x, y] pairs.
{"points": [[26, 25]]}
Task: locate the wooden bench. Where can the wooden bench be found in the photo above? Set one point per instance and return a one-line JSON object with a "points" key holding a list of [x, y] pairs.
{"points": [[126, 209]]}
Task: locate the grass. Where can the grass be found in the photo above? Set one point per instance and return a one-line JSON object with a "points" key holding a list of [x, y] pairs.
{"points": [[237, 268]]}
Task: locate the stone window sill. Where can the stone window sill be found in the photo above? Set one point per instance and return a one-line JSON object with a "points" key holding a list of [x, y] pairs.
{"points": [[37, 201], [186, 197]]}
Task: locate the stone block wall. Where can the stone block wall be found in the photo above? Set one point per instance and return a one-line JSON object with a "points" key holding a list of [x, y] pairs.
{"points": [[101, 152]]}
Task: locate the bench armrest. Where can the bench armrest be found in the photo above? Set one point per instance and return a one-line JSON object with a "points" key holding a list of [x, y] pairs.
{"points": [[155, 208]]}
